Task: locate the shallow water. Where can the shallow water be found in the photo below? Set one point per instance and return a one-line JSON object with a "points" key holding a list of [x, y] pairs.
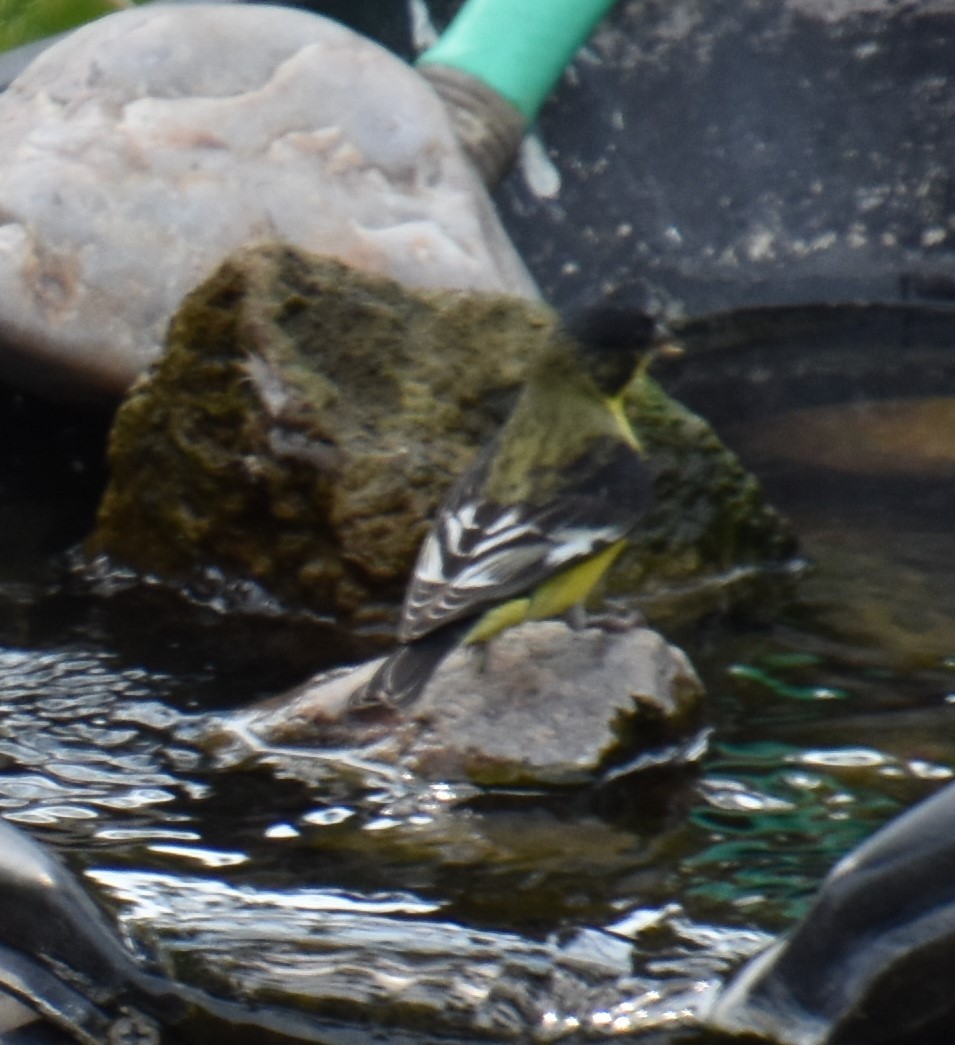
{"points": [[439, 909]]}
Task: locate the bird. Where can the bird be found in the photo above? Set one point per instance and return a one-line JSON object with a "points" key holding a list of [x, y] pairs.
{"points": [[539, 517]]}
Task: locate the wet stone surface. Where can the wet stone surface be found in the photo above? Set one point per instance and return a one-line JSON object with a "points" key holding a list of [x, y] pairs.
{"points": [[548, 707]]}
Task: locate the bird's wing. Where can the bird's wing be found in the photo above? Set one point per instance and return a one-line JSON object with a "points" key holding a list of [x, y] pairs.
{"points": [[480, 553]]}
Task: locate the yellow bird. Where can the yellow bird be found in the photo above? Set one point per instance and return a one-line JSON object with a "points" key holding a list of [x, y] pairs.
{"points": [[536, 521]]}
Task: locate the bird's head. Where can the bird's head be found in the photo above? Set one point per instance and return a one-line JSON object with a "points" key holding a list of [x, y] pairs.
{"points": [[614, 342]]}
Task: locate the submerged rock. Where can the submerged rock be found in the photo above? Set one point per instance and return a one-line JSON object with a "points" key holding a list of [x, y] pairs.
{"points": [[66, 964], [63, 959], [549, 706], [307, 419], [141, 150]]}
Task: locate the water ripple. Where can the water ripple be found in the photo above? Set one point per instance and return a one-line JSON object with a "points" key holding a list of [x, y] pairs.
{"points": [[70, 746], [332, 949]]}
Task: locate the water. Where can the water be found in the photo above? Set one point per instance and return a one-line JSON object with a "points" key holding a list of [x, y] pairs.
{"points": [[438, 910]]}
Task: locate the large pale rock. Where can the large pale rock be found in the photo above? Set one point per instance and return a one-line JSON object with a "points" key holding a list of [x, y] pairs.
{"points": [[142, 149]]}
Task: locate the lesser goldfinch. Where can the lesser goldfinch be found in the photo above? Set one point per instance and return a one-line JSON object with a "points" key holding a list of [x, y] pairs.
{"points": [[536, 521]]}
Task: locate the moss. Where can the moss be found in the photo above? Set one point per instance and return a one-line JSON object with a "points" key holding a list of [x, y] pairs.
{"points": [[303, 424], [711, 513], [306, 420]]}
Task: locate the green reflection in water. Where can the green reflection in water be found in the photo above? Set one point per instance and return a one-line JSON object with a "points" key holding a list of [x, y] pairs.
{"points": [[778, 817], [783, 689]]}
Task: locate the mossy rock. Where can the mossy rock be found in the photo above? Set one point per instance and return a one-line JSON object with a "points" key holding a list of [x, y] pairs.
{"points": [[711, 516], [306, 420]]}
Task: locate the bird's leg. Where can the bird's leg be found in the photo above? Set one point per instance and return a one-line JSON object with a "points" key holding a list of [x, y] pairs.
{"points": [[480, 656], [576, 617]]}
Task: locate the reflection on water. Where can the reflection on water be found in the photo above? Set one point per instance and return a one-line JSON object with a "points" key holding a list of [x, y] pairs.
{"points": [[78, 740], [361, 952], [438, 908]]}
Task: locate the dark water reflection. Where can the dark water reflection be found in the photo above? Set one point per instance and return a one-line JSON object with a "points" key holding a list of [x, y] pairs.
{"points": [[444, 911]]}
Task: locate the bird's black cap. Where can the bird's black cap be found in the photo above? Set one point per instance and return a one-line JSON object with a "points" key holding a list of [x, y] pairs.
{"points": [[611, 325], [615, 339]]}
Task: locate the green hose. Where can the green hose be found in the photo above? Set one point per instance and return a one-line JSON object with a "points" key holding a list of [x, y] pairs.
{"points": [[519, 48]]}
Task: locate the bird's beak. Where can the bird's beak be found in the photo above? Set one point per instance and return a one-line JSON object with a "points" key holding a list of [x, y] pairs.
{"points": [[669, 348], [666, 346]]}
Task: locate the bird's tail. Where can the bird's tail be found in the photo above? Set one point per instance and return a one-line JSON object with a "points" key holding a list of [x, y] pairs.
{"points": [[404, 674]]}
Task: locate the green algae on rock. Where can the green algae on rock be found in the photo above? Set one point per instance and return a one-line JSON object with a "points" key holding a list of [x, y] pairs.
{"points": [[302, 426], [711, 515], [306, 420]]}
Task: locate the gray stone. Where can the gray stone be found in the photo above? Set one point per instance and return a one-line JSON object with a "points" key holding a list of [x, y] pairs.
{"points": [[549, 706], [142, 149]]}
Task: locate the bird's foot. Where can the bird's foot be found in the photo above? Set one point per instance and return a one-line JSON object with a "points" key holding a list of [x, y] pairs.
{"points": [[613, 621]]}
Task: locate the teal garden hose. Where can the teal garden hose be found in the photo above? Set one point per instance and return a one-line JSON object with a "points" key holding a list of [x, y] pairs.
{"points": [[496, 64]]}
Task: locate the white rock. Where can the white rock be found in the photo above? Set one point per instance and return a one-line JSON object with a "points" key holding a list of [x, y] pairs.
{"points": [[145, 147]]}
